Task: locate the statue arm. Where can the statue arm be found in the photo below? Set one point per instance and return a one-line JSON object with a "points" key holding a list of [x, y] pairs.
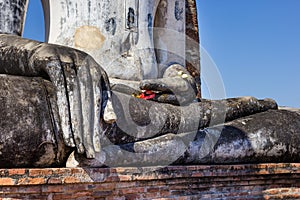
{"points": [[82, 86]]}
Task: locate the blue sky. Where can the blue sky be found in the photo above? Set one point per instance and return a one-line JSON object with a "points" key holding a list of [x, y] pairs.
{"points": [[255, 45]]}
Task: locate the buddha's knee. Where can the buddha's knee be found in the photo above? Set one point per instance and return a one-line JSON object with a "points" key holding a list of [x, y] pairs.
{"points": [[29, 136]]}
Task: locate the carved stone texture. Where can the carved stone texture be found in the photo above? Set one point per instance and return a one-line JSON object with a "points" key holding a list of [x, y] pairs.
{"points": [[139, 119], [116, 33], [192, 46], [169, 33], [271, 136], [12, 16], [28, 135], [79, 83]]}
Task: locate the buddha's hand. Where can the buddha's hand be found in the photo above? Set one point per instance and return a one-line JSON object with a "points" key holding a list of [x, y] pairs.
{"points": [[176, 87], [81, 86]]}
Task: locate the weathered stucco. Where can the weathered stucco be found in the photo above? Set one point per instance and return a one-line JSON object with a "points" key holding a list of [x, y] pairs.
{"points": [[88, 37], [12, 16], [29, 136], [127, 51]]}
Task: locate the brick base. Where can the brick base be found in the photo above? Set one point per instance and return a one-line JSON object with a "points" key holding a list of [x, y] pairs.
{"points": [[261, 181]]}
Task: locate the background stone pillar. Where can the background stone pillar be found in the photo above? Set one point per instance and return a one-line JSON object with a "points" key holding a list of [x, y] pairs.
{"points": [[192, 50], [12, 16]]}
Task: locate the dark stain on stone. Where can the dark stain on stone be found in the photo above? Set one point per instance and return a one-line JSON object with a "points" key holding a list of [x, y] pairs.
{"points": [[178, 11], [150, 24], [110, 25], [89, 9], [131, 19]]}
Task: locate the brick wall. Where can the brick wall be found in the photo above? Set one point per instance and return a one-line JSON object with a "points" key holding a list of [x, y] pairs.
{"points": [[263, 181]]}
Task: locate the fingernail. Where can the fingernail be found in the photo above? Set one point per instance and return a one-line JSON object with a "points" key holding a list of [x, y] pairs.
{"points": [[109, 113], [184, 76]]}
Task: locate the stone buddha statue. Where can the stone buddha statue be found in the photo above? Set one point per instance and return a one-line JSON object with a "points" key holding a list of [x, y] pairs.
{"points": [[118, 83]]}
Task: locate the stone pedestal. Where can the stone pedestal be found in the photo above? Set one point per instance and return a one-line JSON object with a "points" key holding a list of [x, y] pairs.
{"points": [[255, 181]]}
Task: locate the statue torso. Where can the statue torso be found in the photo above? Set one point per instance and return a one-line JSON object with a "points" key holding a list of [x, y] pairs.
{"points": [[119, 34]]}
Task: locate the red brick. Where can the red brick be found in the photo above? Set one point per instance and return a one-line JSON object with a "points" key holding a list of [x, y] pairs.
{"points": [[199, 174], [183, 198], [272, 191], [40, 172], [177, 181], [154, 183], [9, 190], [31, 181], [76, 187], [125, 178], [132, 191], [30, 190], [62, 171], [17, 198], [12, 172], [153, 189], [107, 198], [53, 189], [98, 194], [150, 195], [112, 178], [176, 168], [71, 179], [132, 196], [292, 195], [230, 181], [54, 180], [165, 193], [7, 181], [77, 171], [125, 184], [61, 196], [103, 186], [284, 190], [82, 194]]}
